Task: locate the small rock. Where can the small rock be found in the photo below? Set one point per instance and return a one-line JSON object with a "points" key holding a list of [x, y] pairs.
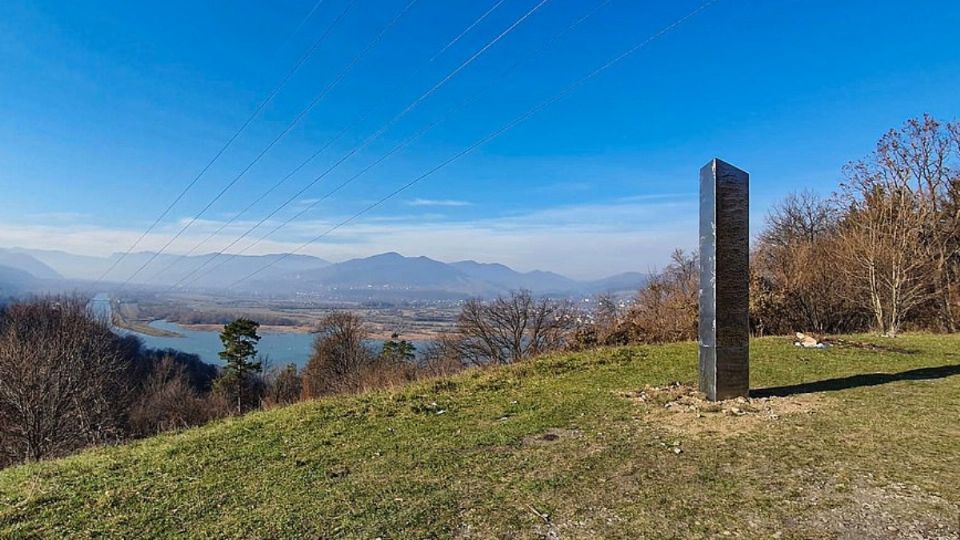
{"points": [[677, 450]]}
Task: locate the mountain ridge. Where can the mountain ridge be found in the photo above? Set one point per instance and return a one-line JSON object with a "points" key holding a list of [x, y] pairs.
{"points": [[21, 260], [388, 275]]}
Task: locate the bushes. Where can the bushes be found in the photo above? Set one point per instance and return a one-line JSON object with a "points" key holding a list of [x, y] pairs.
{"points": [[64, 379], [342, 362], [339, 356], [168, 400], [883, 253], [283, 386], [795, 283], [666, 308], [67, 381]]}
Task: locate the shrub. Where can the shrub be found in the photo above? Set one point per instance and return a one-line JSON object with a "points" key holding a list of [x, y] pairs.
{"points": [[64, 379]]}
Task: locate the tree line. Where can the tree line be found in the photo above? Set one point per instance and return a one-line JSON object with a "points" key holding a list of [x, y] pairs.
{"points": [[882, 253]]}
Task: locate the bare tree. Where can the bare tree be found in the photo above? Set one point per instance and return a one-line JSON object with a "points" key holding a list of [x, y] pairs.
{"points": [[799, 217], [64, 381], [602, 325], [340, 356], [880, 242], [922, 157], [795, 285], [511, 328], [902, 224], [666, 308], [441, 357]]}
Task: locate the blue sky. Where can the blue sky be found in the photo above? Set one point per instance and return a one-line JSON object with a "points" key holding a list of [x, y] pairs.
{"points": [[110, 108]]}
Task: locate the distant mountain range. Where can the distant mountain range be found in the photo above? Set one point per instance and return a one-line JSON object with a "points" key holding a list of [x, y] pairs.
{"points": [[25, 262], [164, 270], [388, 276], [391, 276]]}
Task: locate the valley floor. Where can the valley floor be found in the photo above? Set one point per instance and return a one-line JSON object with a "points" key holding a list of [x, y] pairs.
{"points": [[855, 441]]}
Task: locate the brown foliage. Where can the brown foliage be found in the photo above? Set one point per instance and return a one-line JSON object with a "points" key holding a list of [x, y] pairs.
{"points": [[886, 252], [666, 308], [168, 401], [795, 285], [604, 325], [340, 356], [440, 358], [900, 235], [64, 380], [283, 386]]}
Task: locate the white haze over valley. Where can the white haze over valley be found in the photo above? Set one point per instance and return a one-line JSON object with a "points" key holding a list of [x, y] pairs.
{"points": [[585, 242]]}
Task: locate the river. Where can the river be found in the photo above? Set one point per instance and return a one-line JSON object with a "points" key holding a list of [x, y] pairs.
{"points": [[280, 348]]}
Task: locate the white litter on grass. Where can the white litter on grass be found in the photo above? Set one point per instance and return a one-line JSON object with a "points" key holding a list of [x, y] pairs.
{"points": [[809, 342]]}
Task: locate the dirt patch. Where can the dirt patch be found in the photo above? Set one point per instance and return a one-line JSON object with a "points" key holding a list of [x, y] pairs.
{"points": [[682, 408], [864, 346], [551, 436], [870, 512]]}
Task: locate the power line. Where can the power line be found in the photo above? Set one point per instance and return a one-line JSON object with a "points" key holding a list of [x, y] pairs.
{"points": [[371, 138], [290, 174], [467, 30], [373, 43], [381, 159], [305, 19], [283, 82], [395, 149], [510, 125], [262, 196], [249, 166]]}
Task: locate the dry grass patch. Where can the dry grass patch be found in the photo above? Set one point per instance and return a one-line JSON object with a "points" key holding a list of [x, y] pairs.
{"points": [[682, 408], [869, 512]]}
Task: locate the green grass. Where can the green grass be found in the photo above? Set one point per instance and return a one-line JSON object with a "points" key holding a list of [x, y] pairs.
{"points": [[464, 457]]}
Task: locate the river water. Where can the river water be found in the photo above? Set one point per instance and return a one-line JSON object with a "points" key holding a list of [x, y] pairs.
{"points": [[280, 348]]}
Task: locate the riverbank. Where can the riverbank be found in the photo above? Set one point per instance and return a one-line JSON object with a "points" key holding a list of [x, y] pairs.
{"points": [[376, 333], [264, 328], [120, 319]]}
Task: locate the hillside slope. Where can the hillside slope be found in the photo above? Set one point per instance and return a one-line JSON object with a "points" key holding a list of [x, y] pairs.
{"points": [[14, 281], [22, 261], [562, 447]]}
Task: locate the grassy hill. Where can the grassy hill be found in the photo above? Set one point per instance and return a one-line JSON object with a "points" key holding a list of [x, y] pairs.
{"points": [[858, 441]]}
